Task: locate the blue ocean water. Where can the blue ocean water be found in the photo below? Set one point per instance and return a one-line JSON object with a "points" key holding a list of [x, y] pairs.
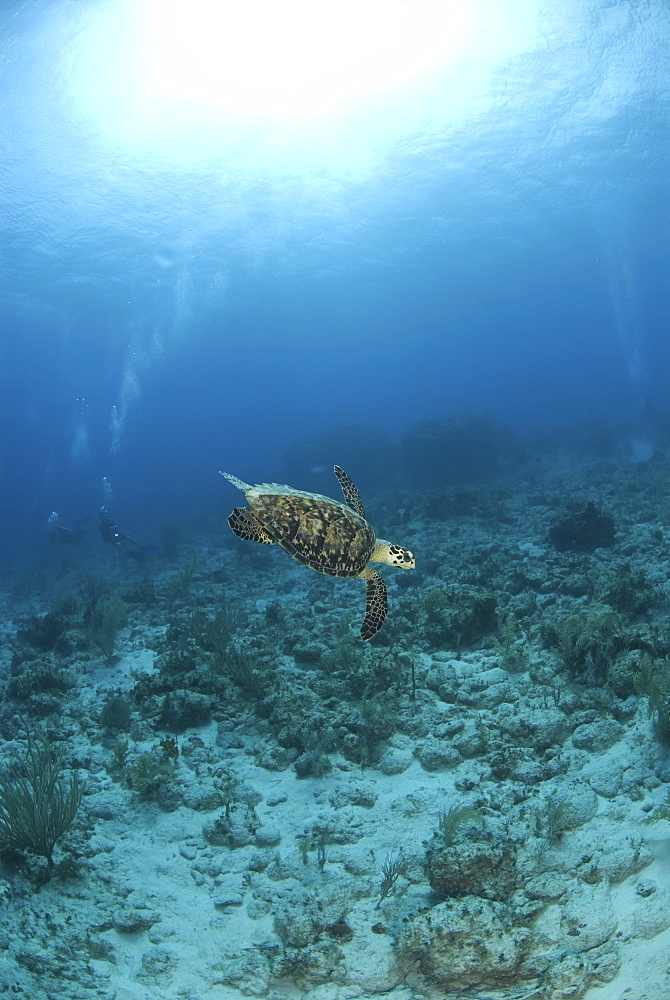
{"points": [[202, 268], [423, 240]]}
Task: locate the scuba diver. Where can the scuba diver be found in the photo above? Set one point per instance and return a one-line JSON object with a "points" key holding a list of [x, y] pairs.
{"points": [[112, 535], [60, 535]]}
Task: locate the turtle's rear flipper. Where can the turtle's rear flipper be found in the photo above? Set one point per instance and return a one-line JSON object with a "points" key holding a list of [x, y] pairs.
{"points": [[376, 604], [245, 525]]}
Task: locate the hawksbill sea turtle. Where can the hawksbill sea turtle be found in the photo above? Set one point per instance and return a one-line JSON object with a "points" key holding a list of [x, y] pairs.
{"points": [[331, 537]]}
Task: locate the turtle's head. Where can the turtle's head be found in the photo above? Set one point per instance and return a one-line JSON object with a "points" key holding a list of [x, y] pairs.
{"points": [[393, 555], [402, 558]]}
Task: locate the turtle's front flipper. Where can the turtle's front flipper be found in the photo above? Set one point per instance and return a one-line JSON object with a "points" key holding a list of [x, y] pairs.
{"points": [[376, 604], [245, 525], [352, 497]]}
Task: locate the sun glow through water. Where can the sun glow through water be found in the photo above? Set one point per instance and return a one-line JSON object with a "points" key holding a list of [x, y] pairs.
{"points": [[295, 57], [175, 75]]}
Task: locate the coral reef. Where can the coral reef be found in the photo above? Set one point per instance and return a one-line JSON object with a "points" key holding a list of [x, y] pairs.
{"points": [[475, 803], [461, 449], [583, 531]]}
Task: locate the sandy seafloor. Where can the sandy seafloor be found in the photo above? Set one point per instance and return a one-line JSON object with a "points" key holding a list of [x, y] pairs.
{"points": [[309, 761]]}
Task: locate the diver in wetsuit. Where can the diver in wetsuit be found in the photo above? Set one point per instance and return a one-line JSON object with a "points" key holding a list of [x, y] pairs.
{"points": [[112, 535], [59, 535]]}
